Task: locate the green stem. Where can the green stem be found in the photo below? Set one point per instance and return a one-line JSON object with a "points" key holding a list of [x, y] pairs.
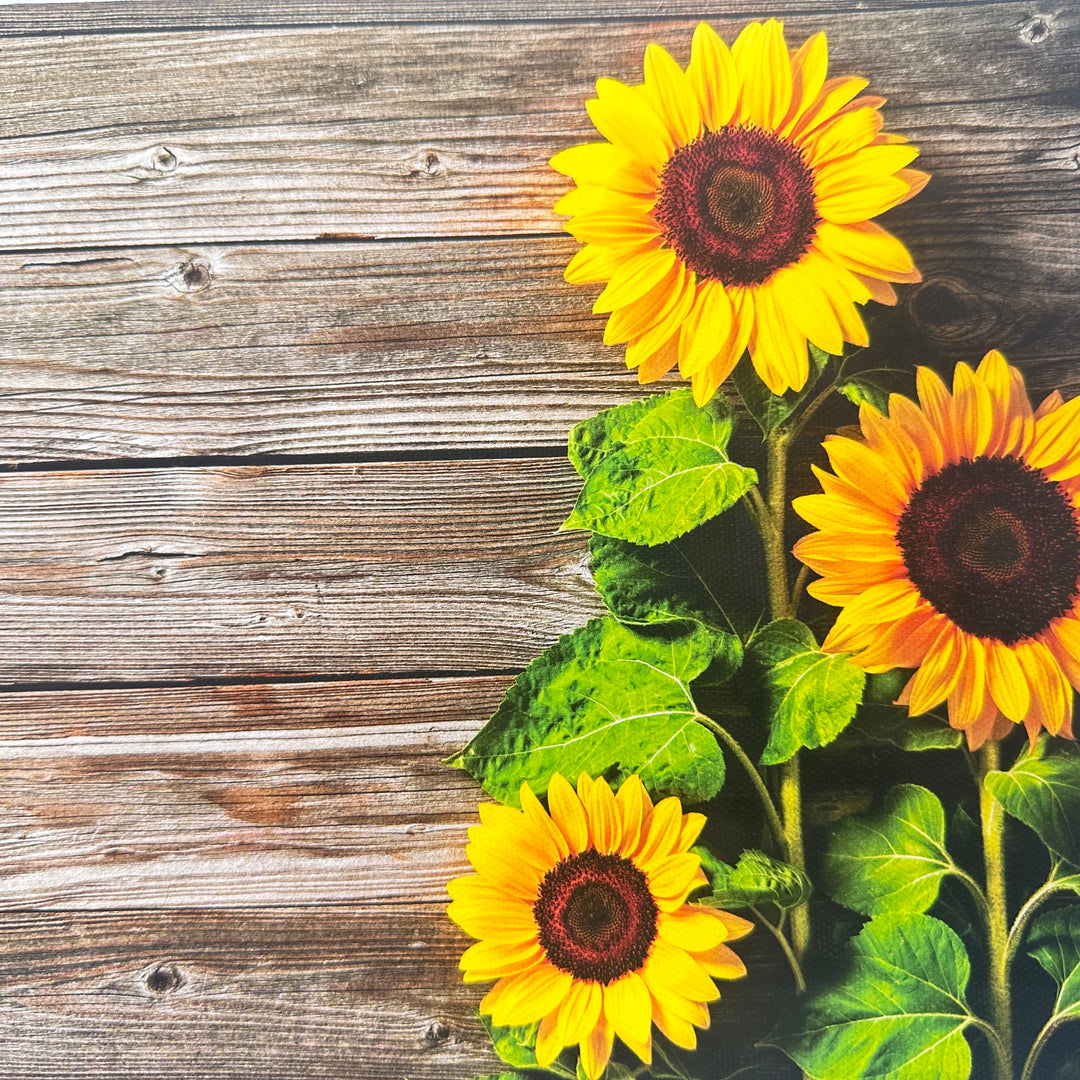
{"points": [[788, 951], [791, 807], [780, 607], [993, 834], [775, 824], [1016, 934], [1040, 1044]]}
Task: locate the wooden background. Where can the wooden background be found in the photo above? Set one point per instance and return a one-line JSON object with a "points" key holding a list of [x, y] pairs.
{"points": [[286, 368]]}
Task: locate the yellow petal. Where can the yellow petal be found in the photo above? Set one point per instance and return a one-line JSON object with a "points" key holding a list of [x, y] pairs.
{"points": [[806, 305], [492, 959], [628, 1008], [764, 66], [672, 972], [592, 263], [542, 824], [693, 929], [596, 1049], [671, 880], [660, 837], [633, 804], [808, 69], [721, 963], [706, 328], [635, 277], [634, 320], [938, 674], [605, 165], [1006, 681], [580, 1012], [671, 95], [863, 247], [626, 119], [568, 814], [713, 77], [604, 823], [843, 135], [832, 97], [528, 997]]}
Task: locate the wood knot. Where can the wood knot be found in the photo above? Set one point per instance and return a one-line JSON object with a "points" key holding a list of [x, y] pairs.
{"points": [[195, 275], [163, 979], [1037, 29], [948, 310], [427, 165], [438, 1031], [163, 160]]}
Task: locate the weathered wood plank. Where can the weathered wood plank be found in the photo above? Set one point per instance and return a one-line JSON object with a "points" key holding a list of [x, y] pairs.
{"points": [[335, 992], [251, 795], [429, 130], [237, 796], [368, 569], [296, 349], [126, 15]]}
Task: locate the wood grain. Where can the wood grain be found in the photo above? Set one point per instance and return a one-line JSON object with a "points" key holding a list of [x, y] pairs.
{"points": [[338, 992], [177, 574], [127, 15], [429, 130], [323, 349]]}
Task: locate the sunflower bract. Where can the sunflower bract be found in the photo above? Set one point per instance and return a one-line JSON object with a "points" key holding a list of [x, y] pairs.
{"points": [[582, 917], [730, 209]]}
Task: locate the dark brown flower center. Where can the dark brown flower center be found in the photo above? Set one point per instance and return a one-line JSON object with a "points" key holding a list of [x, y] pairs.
{"points": [[994, 545], [596, 916], [737, 205]]}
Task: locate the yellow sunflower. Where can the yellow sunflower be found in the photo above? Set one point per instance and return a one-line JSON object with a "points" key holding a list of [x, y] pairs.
{"points": [[951, 539], [730, 209], [582, 917]]}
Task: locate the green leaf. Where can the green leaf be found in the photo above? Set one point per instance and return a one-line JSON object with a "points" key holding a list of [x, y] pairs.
{"points": [[767, 408], [1044, 793], [1054, 940], [812, 695], [892, 860], [610, 701], [757, 879], [891, 724], [657, 469], [899, 1012], [714, 575], [514, 1045], [874, 386]]}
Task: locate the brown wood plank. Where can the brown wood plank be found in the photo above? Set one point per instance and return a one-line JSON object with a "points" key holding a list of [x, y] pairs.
{"points": [[433, 130], [353, 569], [237, 796], [299, 349], [334, 992], [127, 15], [255, 795]]}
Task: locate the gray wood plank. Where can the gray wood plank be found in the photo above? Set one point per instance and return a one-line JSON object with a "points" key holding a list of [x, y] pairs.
{"points": [[361, 348], [153, 574], [390, 131], [128, 15], [336, 992]]}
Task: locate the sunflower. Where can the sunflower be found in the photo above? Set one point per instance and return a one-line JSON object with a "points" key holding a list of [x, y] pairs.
{"points": [[730, 209], [582, 917], [951, 539]]}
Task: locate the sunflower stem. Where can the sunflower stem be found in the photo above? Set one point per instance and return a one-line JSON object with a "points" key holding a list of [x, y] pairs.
{"points": [[789, 953], [993, 834], [777, 445], [729, 740]]}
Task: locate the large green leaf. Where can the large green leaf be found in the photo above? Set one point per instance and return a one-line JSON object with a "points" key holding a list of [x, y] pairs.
{"points": [[757, 879], [1054, 940], [655, 469], [610, 701], [769, 409], [891, 724], [899, 1012], [811, 695], [714, 575], [1044, 793], [892, 860]]}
